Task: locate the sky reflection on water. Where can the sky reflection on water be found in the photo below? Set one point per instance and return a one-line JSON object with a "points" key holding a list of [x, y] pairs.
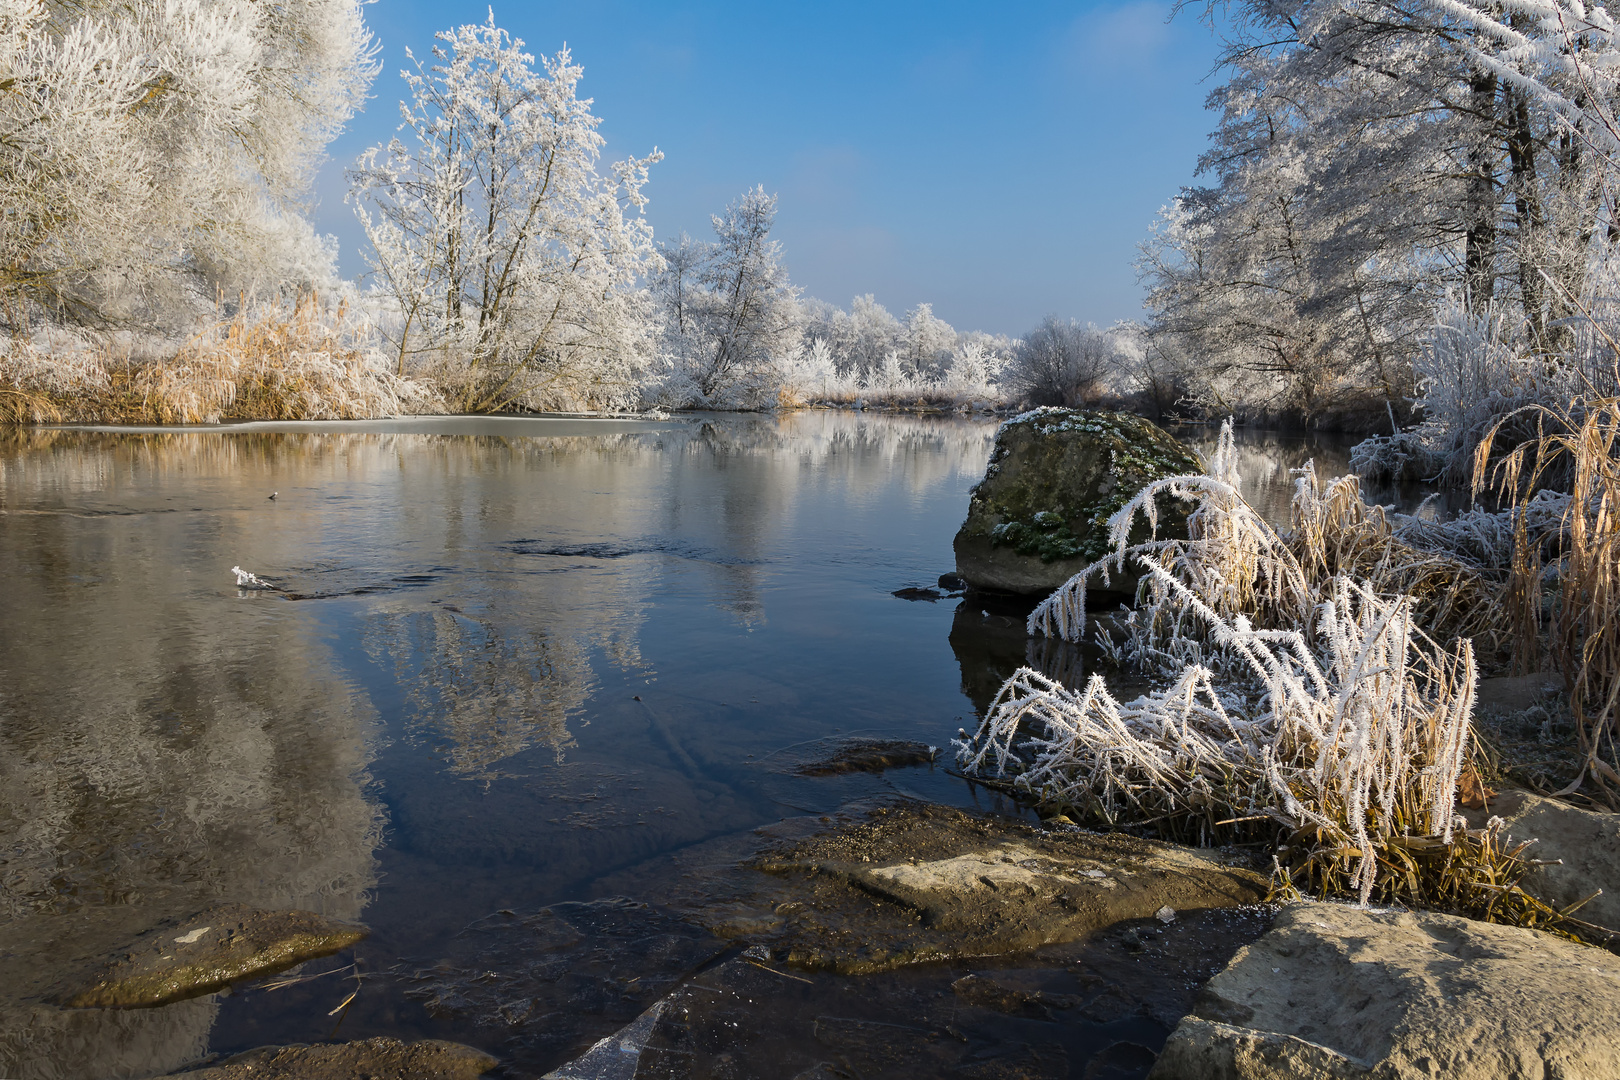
{"points": [[507, 659]]}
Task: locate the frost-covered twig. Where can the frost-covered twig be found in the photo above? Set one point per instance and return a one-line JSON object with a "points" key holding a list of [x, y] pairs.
{"points": [[1235, 563], [248, 580]]}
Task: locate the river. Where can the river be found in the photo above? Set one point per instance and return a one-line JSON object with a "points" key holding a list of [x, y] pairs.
{"points": [[506, 662]]}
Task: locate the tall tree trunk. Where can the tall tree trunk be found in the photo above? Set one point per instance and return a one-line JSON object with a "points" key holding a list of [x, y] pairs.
{"points": [[1479, 241], [1529, 222]]}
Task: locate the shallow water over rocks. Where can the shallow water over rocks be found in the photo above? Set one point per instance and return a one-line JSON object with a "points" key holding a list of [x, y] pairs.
{"points": [[507, 665]]}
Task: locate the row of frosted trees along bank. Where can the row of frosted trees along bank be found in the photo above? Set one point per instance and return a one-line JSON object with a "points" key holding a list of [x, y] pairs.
{"points": [[1409, 227], [155, 264]]}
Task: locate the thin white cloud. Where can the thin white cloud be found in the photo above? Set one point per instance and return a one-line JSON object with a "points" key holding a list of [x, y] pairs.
{"points": [[1110, 40], [825, 175]]}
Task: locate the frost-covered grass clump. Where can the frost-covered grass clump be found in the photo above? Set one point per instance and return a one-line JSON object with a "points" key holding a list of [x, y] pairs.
{"points": [[1304, 700]]}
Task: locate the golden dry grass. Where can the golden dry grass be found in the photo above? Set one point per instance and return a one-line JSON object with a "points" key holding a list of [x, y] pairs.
{"points": [[1333, 530], [306, 361], [1579, 447]]}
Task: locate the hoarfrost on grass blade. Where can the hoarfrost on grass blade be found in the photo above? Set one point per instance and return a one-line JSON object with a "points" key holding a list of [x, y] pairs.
{"points": [[247, 580], [1336, 718]]}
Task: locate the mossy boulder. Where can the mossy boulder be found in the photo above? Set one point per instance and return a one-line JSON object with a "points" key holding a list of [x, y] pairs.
{"points": [[1056, 476]]}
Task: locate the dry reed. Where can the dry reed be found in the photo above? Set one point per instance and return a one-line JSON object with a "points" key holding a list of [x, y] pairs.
{"points": [[1583, 451], [306, 361]]}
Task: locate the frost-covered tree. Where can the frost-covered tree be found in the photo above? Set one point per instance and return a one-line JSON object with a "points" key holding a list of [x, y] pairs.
{"points": [[930, 342], [807, 373], [754, 315], [730, 313], [1374, 157], [512, 260], [973, 371], [155, 151], [1060, 363], [872, 334]]}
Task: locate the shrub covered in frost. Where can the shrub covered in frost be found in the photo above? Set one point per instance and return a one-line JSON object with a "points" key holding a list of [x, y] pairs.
{"points": [[1300, 699]]}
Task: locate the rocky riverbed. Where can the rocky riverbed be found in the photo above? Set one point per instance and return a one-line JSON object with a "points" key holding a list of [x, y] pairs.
{"points": [[912, 940]]}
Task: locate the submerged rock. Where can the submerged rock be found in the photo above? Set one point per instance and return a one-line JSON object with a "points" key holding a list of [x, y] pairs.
{"points": [[1082, 1009], [206, 953], [380, 1058], [1040, 515], [868, 755], [921, 882], [545, 983], [912, 592], [753, 934], [1337, 992]]}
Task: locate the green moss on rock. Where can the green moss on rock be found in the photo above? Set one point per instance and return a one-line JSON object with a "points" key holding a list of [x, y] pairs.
{"points": [[1055, 478]]}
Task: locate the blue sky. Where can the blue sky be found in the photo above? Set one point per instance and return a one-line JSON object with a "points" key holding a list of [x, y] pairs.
{"points": [[999, 161]]}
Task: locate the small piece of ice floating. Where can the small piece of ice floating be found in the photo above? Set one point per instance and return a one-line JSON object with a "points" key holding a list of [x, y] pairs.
{"points": [[1166, 915], [246, 580]]}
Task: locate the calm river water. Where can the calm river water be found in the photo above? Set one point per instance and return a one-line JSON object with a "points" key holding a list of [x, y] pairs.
{"points": [[507, 659]]}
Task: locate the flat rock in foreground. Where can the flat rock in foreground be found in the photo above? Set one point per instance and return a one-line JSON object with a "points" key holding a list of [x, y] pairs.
{"points": [[208, 952], [918, 883], [380, 1058], [1336, 992]]}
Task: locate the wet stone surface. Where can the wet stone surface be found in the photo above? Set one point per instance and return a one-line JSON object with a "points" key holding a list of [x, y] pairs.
{"points": [[205, 953], [917, 882], [366, 1059]]}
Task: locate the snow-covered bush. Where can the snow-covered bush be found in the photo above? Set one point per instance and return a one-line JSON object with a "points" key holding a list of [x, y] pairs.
{"points": [[1061, 363], [973, 372], [1473, 372], [808, 374]]}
